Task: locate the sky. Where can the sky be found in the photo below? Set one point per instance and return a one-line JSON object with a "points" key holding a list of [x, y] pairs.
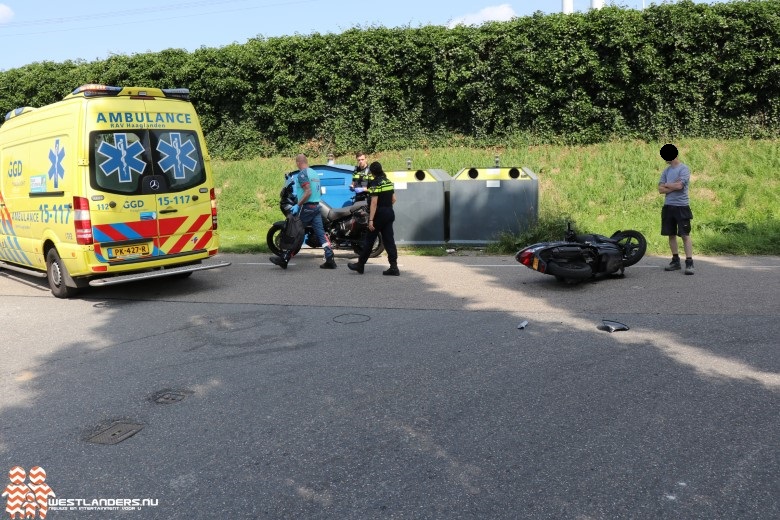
{"points": [[56, 30]]}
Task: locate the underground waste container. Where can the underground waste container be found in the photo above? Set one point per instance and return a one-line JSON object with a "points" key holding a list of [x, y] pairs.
{"points": [[335, 181], [420, 214], [486, 202]]}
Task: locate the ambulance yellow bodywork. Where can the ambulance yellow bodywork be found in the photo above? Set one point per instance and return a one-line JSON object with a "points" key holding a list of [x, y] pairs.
{"points": [[109, 185]]}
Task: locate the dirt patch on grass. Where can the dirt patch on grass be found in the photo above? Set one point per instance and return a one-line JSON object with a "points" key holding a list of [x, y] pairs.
{"points": [[705, 194]]}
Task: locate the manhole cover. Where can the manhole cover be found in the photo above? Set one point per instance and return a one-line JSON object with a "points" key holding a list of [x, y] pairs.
{"points": [[170, 396], [116, 433]]}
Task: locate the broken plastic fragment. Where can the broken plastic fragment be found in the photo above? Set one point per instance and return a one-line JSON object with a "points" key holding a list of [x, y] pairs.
{"points": [[523, 324], [612, 326]]}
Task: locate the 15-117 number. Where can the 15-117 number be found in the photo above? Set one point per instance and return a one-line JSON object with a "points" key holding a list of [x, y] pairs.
{"points": [[59, 213], [177, 199]]}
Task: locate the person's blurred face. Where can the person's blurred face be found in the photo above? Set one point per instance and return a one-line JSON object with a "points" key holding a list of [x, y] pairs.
{"points": [[669, 153], [362, 162]]}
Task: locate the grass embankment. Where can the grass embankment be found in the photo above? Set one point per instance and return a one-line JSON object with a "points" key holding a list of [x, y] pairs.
{"points": [[735, 191]]}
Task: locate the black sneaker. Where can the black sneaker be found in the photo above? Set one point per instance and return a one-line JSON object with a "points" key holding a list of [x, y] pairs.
{"points": [[674, 265], [330, 263], [689, 267], [277, 260], [393, 271], [356, 266]]}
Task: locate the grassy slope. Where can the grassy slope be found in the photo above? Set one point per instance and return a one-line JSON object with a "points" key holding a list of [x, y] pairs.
{"points": [[735, 190]]}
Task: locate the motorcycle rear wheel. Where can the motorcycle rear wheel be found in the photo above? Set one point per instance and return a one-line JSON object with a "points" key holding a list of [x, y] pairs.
{"points": [[379, 246], [633, 243]]}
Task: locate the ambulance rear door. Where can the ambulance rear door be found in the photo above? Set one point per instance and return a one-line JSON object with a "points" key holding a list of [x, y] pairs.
{"points": [[123, 217], [150, 199], [183, 195]]}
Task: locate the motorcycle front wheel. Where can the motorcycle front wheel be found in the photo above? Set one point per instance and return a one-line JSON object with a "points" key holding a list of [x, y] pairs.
{"points": [[272, 240], [634, 245], [379, 246]]}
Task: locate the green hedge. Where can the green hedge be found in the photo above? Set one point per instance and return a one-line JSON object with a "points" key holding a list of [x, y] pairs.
{"points": [[683, 69]]}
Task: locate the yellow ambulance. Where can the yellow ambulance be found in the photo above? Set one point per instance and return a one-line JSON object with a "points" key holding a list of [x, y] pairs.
{"points": [[109, 185]]}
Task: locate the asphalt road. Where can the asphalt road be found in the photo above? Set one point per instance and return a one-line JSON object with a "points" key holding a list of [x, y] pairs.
{"points": [[325, 394]]}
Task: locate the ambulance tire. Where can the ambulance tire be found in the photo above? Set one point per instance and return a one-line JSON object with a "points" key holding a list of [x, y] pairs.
{"points": [[181, 276], [57, 273]]}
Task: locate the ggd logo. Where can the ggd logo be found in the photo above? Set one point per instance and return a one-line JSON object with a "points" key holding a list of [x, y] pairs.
{"points": [[15, 169]]}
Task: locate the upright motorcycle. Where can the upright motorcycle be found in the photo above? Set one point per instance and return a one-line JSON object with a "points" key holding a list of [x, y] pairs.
{"points": [[346, 227], [581, 257]]}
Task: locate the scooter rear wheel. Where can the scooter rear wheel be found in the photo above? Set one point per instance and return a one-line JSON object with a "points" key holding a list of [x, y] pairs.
{"points": [[570, 271]]}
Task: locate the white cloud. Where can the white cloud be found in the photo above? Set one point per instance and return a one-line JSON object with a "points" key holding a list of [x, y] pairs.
{"points": [[500, 13], [6, 15]]}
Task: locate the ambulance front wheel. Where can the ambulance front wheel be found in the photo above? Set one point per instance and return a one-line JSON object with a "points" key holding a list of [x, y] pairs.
{"points": [[57, 273]]}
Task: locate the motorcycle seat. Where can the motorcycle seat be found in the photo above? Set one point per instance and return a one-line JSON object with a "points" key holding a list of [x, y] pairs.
{"points": [[339, 213], [595, 239]]}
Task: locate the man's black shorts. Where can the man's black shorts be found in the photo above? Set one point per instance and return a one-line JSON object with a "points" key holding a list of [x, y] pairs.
{"points": [[676, 220]]}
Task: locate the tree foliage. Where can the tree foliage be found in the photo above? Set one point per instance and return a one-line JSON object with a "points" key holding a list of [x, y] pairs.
{"points": [[668, 71]]}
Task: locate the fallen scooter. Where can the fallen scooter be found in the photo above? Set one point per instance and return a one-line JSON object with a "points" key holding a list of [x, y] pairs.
{"points": [[582, 257]]}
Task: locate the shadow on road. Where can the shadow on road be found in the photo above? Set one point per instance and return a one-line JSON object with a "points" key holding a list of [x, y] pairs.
{"points": [[288, 403]]}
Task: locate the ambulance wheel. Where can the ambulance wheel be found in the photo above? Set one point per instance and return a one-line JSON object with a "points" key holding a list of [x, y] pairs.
{"points": [[57, 273]]}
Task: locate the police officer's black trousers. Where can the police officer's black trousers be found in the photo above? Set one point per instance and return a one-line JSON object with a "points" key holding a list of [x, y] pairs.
{"points": [[383, 224]]}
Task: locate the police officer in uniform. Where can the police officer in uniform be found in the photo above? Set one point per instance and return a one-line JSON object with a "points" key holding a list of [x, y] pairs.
{"points": [[381, 217], [307, 190], [360, 174]]}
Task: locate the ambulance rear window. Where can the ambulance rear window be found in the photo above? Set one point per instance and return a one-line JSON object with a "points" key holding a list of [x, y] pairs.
{"points": [[120, 159]]}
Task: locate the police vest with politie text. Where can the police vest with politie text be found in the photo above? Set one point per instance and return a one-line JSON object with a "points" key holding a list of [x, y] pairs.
{"points": [[383, 188], [360, 177]]}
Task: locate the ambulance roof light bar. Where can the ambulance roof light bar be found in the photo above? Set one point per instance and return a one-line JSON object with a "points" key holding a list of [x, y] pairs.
{"points": [[17, 112], [94, 89], [177, 93]]}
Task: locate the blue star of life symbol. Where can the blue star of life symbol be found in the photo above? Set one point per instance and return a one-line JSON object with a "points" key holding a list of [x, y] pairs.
{"points": [[122, 158], [56, 156], [177, 156]]}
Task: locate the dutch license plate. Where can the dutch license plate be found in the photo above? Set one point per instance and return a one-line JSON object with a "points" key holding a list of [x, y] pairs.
{"points": [[125, 251]]}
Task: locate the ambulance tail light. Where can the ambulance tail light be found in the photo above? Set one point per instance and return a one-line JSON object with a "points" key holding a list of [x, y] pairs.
{"points": [[213, 209], [82, 221]]}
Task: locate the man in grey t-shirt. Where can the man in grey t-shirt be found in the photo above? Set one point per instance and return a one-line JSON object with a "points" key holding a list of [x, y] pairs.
{"points": [[676, 214]]}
